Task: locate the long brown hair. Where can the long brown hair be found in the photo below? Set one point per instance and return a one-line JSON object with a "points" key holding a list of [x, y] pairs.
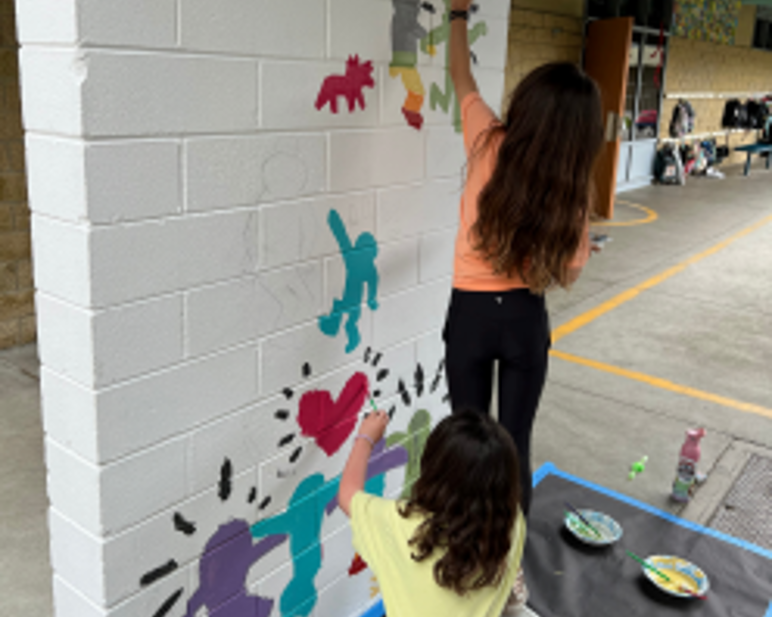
{"points": [[469, 491], [533, 210]]}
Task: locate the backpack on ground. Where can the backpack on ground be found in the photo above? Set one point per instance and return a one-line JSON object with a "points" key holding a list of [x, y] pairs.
{"points": [[668, 168]]}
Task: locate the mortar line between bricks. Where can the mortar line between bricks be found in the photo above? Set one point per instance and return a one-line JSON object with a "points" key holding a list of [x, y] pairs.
{"points": [[257, 56]]}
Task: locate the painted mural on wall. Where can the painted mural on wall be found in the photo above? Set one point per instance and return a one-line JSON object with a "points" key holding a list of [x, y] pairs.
{"points": [[714, 21], [407, 37], [328, 419], [350, 86], [361, 271]]}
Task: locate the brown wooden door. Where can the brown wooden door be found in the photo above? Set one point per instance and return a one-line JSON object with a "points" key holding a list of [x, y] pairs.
{"points": [[606, 60]]}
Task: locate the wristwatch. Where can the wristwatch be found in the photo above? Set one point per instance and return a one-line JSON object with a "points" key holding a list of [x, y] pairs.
{"points": [[459, 15]]}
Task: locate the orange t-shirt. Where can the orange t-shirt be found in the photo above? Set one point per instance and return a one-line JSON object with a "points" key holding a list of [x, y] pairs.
{"points": [[471, 271]]}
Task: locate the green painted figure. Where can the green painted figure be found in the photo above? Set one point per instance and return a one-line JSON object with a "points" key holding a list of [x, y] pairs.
{"points": [[441, 34], [414, 442]]}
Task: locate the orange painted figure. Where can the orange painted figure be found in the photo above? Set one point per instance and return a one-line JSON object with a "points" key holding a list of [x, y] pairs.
{"points": [[406, 33]]}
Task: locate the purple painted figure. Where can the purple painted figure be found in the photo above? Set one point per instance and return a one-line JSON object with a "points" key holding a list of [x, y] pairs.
{"points": [[223, 568], [229, 554]]}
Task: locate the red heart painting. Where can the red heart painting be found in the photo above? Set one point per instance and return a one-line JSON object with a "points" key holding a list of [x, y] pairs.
{"points": [[331, 422]]}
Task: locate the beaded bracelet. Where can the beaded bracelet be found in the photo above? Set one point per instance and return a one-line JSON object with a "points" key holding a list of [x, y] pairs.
{"points": [[365, 437]]}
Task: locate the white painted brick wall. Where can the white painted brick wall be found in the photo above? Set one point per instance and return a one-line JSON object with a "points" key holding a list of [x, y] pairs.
{"points": [[181, 181]]}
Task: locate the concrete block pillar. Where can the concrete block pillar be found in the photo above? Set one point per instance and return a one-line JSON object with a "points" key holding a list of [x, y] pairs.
{"points": [[192, 200]]}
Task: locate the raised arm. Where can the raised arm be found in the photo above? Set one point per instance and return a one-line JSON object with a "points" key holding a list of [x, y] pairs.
{"points": [[339, 231], [460, 55], [355, 473]]}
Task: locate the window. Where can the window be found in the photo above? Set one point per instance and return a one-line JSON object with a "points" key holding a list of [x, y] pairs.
{"points": [[762, 35], [647, 13]]}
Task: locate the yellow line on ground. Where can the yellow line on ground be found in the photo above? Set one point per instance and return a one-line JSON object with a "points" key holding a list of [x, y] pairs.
{"points": [[591, 315], [665, 384], [650, 217]]}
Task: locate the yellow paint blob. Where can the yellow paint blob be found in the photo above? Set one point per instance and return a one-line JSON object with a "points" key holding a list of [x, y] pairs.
{"points": [[679, 582]]}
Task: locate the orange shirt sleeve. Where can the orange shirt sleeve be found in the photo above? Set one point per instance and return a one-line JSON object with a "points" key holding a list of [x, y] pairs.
{"points": [[476, 118]]}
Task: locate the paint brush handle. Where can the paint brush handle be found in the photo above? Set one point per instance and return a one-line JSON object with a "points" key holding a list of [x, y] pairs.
{"points": [[584, 520], [648, 566], [372, 402]]}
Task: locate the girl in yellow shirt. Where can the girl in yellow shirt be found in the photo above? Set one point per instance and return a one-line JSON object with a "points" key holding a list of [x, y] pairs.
{"points": [[454, 547]]}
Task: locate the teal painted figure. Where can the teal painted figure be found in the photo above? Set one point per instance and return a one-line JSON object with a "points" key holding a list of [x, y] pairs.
{"points": [[302, 523], [359, 260], [441, 34]]}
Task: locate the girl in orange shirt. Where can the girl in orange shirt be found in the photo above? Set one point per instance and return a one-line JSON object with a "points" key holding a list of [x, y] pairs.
{"points": [[524, 228]]}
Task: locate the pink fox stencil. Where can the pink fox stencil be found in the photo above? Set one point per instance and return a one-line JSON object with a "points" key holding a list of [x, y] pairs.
{"points": [[358, 76]]}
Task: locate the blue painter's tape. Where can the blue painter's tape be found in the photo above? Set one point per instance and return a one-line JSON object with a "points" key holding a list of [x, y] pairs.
{"points": [[551, 469], [543, 472], [376, 610]]}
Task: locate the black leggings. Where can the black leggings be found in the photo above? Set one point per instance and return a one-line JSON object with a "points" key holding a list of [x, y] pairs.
{"points": [[513, 328]]}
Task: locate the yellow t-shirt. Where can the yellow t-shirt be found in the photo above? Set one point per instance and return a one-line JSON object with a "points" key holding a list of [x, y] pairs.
{"points": [[408, 587]]}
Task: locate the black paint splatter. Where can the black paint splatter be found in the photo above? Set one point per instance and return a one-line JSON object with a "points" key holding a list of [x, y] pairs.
{"points": [[368, 351], [296, 455], [377, 359], [377, 394], [306, 370], [419, 380], [252, 495], [183, 526], [392, 411], [382, 374], [287, 439], [446, 398], [428, 6], [169, 604], [436, 382], [404, 393], [282, 414], [288, 393], [265, 503], [159, 573], [225, 486]]}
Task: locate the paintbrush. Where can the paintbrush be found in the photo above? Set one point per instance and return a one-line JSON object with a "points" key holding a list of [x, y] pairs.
{"points": [[584, 520], [372, 402], [648, 566], [660, 573]]}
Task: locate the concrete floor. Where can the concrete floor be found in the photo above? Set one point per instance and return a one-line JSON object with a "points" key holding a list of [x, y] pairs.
{"points": [[707, 327]]}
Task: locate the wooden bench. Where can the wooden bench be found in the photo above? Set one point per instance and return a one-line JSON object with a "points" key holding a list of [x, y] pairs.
{"points": [[753, 149]]}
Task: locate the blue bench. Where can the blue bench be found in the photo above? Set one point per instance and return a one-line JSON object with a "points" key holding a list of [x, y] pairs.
{"points": [[753, 149]]}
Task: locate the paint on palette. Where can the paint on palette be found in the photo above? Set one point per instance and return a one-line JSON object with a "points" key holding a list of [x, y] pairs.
{"points": [[350, 86], [361, 272], [330, 422], [437, 36]]}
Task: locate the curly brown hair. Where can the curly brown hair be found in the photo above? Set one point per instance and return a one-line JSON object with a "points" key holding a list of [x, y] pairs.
{"points": [[469, 492], [533, 210]]}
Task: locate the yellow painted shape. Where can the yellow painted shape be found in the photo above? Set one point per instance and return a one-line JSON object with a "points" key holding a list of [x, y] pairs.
{"points": [[664, 384], [411, 79], [591, 315], [650, 217]]}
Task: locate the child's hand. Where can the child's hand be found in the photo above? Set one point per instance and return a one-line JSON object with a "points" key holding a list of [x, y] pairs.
{"points": [[374, 425]]}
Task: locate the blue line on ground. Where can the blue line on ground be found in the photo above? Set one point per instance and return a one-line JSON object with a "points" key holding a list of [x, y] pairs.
{"points": [[753, 548], [769, 611]]}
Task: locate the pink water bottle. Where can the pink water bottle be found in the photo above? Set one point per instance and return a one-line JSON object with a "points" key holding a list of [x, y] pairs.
{"points": [[686, 473]]}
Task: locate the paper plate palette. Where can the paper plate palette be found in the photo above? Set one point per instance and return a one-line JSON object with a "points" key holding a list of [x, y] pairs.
{"points": [[610, 531], [683, 576]]}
